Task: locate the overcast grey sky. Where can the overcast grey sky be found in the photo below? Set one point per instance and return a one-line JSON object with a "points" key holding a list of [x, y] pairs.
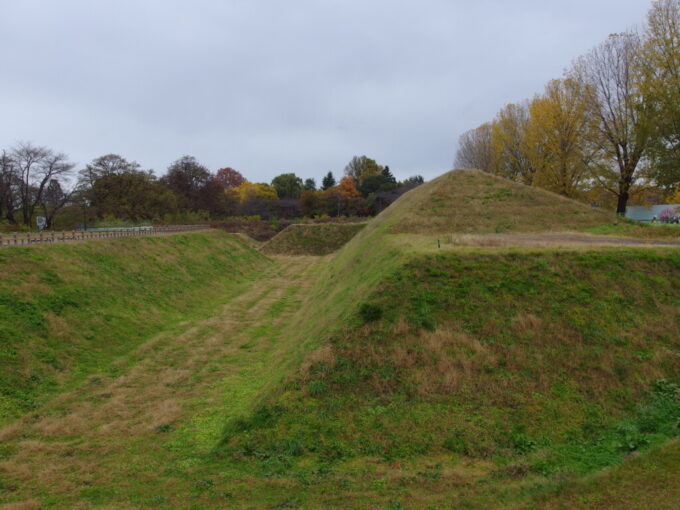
{"points": [[272, 86]]}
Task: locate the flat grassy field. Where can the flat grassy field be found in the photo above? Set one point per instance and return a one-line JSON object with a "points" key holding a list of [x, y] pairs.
{"points": [[408, 370]]}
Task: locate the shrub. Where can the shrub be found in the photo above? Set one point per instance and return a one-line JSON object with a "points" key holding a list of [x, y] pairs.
{"points": [[370, 313], [665, 389], [522, 444]]}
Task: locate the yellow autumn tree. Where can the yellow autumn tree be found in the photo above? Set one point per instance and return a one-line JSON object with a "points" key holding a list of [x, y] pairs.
{"points": [[659, 70], [559, 137], [250, 190], [508, 139]]}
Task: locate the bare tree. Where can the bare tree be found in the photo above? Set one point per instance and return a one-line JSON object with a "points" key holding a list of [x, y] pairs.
{"points": [[475, 149], [35, 168], [53, 199], [8, 187], [616, 104], [361, 167]]}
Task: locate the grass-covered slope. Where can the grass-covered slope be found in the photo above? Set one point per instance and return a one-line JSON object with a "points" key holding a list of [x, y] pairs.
{"points": [[648, 482], [392, 374], [312, 239], [67, 310], [470, 353], [474, 201], [502, 372]]}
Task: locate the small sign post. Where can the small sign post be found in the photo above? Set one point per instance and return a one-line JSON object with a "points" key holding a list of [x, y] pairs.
{"points": [[41, 221]]}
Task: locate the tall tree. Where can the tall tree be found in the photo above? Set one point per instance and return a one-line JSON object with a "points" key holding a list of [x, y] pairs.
{"points": [[194, 186], [229, 178], [35, 167], [557, 137], [615, 101], [476, 150], [8, 187], [660, 67], [387, 174], [510, 144], [338, 199], [255, 190], [310, 201], [53, 200], [309, 185], [101, 167], [133, 195], [361, 167], [348, 187], [328, 181], [287, 185]]}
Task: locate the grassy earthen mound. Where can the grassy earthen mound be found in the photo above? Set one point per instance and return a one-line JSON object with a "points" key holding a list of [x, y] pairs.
{"points": [[494, 368], [312, 239], [474, 201]]}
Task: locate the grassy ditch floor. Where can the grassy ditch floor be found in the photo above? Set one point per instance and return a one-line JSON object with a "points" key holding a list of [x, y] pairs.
{"points": [[67, 311], [140, 435]]}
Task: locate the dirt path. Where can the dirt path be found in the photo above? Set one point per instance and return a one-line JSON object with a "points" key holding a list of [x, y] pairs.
{"points": [[554, 239], [162, 410]]}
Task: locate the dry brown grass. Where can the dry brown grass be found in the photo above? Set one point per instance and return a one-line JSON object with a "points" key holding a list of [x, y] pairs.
{"points": [[324, 354], [547, 240], [31, 504]]}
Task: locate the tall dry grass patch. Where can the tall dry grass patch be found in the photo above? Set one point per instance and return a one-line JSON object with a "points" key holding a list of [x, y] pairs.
{"points": [[31, 504]]}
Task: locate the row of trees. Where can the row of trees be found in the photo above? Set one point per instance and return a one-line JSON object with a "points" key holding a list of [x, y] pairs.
{"points": [[36, 181], [365, 189], [610, 124]]}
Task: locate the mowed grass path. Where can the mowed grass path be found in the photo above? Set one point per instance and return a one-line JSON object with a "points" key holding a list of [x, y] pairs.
{"points": [[140, 437]]}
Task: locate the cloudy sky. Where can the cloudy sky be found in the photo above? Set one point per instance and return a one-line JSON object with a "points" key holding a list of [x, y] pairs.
{"points": [[272, 86]]}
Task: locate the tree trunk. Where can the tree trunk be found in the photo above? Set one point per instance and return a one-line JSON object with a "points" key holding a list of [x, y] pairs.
{"points": [[621, 204]]}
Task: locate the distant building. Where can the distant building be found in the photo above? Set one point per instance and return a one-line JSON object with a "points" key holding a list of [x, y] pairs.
{"points": [[648, 212]]}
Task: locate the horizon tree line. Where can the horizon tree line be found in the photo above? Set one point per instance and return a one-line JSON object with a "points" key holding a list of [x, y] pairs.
{"points": [[37, 181]]}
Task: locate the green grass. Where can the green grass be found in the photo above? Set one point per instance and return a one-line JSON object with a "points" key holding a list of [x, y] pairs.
{"points": [[517, 324], [393, 374], [645, 482], [636, 229], [68, 310], [312, 239], [473, 351]]}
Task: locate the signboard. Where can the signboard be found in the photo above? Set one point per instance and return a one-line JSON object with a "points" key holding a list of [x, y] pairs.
{"points": [[41, 221]]}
